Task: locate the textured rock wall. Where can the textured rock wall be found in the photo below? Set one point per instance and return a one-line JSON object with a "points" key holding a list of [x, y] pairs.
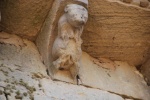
{"points": [[118, 31], [24, 18], [115, 29], [23, 76]]}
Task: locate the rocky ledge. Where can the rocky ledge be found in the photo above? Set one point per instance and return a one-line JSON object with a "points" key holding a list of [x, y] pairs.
{"points": [[23, 76]]}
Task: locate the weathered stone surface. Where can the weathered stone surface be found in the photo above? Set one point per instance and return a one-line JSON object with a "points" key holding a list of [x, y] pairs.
{"points": [[115, 30], [111, 32], [20, 67], [110, 76], [118, 81], [57, 90], [2, 97], [24, 18], [24, 76], [118, 31], [145, 70], [45, 38]]}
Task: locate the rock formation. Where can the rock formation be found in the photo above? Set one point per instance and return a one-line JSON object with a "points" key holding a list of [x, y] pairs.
{"points": [[112, 63], [24, 18]]}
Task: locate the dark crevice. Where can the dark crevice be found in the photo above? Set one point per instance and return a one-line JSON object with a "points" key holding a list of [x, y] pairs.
{"points": [[78, 78], [47, 72], [138, 67], [121, 95], [125, 96], [6, 95]]}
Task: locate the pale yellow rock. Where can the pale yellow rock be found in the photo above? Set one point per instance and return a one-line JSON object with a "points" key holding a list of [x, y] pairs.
{"points": [[26, 76], [124, 79], [118, 81]]}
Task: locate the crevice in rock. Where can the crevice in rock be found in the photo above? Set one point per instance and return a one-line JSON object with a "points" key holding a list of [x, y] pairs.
{"points": [[138, 67], [62, 81], [121, 95], [125, 96], [47, 72], [6, 95]]}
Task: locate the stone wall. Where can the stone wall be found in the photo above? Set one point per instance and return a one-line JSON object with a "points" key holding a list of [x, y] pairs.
{"points": [[118, 31]]}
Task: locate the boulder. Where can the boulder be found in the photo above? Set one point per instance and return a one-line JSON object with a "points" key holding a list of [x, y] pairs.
{"points": [[24, 18]]}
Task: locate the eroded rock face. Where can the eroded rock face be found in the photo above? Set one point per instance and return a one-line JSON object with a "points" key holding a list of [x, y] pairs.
{"points": [[24, 18], [116, 80], [23, 76], [113, 26], [118, 31]]}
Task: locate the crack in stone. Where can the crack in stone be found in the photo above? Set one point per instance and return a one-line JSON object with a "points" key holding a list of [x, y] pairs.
{"points": [[121, 95], [6, 95], [125, 96]]}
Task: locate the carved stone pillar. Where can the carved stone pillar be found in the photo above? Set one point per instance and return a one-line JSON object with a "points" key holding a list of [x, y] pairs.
{"points": [[66, 50], [59, 41]]}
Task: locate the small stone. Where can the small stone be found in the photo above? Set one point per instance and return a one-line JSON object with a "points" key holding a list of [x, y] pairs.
{"points": [[18, 97], [40, 85], [144, 3], [25, 94], [127, 1]]}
